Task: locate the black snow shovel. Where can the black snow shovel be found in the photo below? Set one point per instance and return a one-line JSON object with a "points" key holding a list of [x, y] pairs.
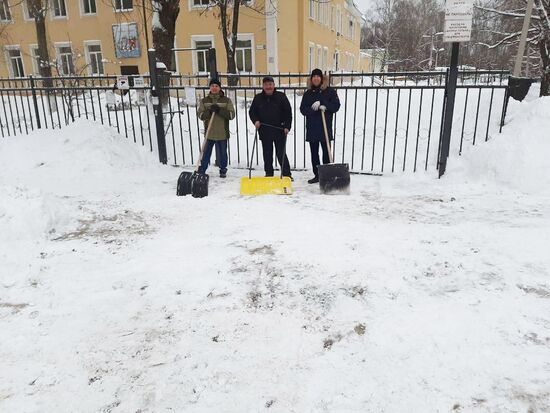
{"points": [[192, 182], [333, 177]]}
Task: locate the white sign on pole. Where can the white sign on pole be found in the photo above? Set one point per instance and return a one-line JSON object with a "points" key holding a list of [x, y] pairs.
{"points": [[122, 82], [139, 82], [190, 96], [458, 20]]}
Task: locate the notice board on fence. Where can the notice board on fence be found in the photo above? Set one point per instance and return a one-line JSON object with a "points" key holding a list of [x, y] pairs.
{"points": [[126, 40]]}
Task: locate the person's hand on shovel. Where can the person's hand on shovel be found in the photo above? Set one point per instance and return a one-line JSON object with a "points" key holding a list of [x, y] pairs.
{"points": [[322, 108], [286, 131]]}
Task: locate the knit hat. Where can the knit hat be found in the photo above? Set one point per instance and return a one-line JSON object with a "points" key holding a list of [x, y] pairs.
{"points": [[215, 82], [316, 72], [268, 79]]}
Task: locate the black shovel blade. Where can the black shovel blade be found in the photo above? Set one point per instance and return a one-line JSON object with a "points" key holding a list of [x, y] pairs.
{"points": [[185, 184], [334, 178], [200, 186]]}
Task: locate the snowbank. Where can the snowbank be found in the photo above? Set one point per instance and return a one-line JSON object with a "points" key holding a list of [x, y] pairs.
{"points": [[84, 157], [517, 158]]}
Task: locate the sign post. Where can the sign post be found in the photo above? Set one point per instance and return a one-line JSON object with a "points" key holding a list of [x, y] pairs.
{"points": [[458, 28]]}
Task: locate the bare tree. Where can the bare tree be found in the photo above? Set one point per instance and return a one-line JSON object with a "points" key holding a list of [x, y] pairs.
{"points": [[165, 15], [506, 17], [38, 9], [227, 13]]}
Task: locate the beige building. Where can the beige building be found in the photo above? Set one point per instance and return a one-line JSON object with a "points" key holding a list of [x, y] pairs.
{"points": [[96, 37]]}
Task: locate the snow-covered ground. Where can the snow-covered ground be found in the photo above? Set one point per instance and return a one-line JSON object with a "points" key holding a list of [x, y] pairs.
{"points": [[412, 294]]}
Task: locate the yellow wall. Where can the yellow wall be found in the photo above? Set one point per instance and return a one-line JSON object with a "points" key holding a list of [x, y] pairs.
{"points": [[295, 32], [75, 29]]}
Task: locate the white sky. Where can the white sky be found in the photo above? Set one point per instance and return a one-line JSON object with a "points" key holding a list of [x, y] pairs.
{"points": [[363, 5]]}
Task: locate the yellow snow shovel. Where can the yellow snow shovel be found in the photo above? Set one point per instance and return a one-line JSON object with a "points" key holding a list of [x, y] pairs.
{"points": [[268, 185]]}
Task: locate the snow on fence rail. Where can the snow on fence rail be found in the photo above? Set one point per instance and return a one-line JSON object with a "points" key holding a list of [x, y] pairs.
{"points": [[386, 123]]}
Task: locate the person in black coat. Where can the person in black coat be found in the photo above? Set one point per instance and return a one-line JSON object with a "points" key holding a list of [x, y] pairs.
{"points": [[271, 114], [318, 98]]}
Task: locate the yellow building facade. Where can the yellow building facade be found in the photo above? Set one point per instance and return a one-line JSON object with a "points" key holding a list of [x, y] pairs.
{"points": [[94, 37]]}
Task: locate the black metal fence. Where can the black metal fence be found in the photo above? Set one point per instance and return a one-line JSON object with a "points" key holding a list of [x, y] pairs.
{"points": [[387, 122]]}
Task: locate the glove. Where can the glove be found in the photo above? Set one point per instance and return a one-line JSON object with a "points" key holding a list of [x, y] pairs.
{"points": [[316, 105], [322, 108], [214, 108]]}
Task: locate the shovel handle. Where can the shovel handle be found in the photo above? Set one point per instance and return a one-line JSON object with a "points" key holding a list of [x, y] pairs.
{"points": [[203, 146], [252, 155], [329, 146]]}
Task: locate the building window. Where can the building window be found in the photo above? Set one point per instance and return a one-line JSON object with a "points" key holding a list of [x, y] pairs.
{"points": [[123, 5], [65, 63], [243, 55], [89, 7], [15, 62], [5, 14], [35, 59], [338, 21], [200, 3], [200, 56], [325, 58], [312, 9], [319, 57], [350, 31], [332, 18], [336, 60], [95, 59], [58, 8], [311, 60]]}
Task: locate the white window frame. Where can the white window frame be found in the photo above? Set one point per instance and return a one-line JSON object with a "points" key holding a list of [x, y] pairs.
{"points": [[6, 6], [338, 20], [8, 60], [51, 10], [311, 7], [122, 9], [319, 57], [26, 14], [325, 59], [333, 18], [336, 64], [193, 7], [82, 7], [87, 53], [311, 57], [33, 52], [248, 36], [59, 45], [194, 57]]}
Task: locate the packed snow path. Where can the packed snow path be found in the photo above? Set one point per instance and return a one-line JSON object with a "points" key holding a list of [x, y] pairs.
{"points": [[410, 295]]}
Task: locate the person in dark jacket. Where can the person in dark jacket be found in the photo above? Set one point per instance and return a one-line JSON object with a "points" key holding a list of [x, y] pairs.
{"points": [[271, 114], [318, 98], [218, 105]]}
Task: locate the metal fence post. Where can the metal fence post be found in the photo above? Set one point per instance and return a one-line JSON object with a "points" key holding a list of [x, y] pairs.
{"points": [[157, 105], [212, 64], [450, 92], [35, 103]]}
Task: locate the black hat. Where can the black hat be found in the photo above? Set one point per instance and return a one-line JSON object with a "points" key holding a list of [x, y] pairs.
{"points": [[215, 82], [267, 79], [316, 72]]}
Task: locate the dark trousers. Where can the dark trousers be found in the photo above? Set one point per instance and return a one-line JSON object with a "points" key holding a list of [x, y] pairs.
{"points": [[315, 162], [267, 147], [221, 150]]}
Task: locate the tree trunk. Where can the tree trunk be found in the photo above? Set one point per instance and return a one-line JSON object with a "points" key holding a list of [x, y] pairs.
{"points": [[544, 46], [230, 46], [164, 30], [38, 11]]}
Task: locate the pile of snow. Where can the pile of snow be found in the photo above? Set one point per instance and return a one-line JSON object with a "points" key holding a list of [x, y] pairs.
{"points": [[81, 158], [519, 157]]}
